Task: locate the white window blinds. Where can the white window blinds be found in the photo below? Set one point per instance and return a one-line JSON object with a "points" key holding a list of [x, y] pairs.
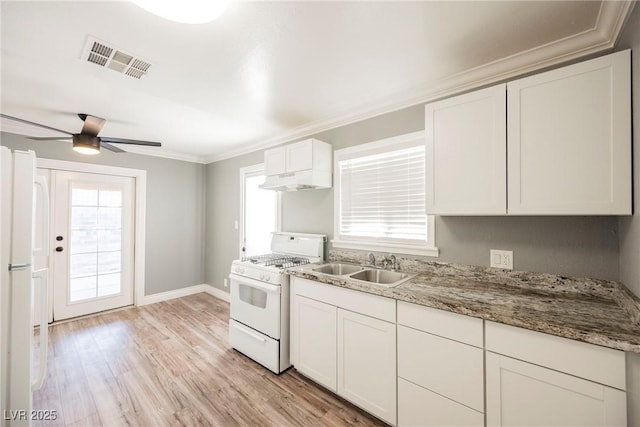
{"points": [[382, 196]]}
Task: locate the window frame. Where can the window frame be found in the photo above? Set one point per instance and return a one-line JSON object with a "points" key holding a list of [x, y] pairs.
{"points": [[246, 172], [424, 248]]}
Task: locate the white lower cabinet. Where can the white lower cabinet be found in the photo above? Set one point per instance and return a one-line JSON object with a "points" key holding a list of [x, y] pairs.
{"points": [[314, 334], [352, 353], [367, 363], [520, 393], [411, 365], [544, 380]]}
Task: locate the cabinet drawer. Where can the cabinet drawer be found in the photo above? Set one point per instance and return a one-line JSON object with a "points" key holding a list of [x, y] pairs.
{"points": [[443, 323], [358, 302], [595, 363], [418, 406], [447, 367]]}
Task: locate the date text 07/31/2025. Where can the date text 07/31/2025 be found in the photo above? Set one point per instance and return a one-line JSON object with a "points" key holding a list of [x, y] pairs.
{"points": [[24, 415]]}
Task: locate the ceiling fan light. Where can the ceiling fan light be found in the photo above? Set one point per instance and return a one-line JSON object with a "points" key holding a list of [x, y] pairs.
{"points": [[185, 11], [86, 144]]}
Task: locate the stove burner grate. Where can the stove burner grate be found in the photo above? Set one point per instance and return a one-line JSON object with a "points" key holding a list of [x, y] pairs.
{"points": [[276, 260]]}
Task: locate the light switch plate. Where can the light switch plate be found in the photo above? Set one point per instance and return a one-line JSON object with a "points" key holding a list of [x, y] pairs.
{"points": [[502, 259]]}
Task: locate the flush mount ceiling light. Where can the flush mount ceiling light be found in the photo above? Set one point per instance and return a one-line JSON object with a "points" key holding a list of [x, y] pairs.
{"points": [[185, 11]]}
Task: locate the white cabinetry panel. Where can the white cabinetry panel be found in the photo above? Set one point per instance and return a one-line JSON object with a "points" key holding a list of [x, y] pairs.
{"points": [[314, 340], [367, 363], [454, 326], [519, 393], [299, 156], [466, 154], [569, 139], [447, 367], [275, 161], [593, 362], [419, 407]]}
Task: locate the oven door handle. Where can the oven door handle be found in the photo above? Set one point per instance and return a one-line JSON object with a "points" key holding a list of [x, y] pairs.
{"points": [[274, 289]]}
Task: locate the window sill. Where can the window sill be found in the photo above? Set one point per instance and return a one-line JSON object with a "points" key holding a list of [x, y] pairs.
{"points": [[387, 247]]}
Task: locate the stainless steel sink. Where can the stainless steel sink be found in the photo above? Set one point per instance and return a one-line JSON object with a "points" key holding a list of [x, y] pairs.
{"points": [[382, 277], [337, 269]]}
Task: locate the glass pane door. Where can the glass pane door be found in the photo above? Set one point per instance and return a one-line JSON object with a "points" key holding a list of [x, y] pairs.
{"points": [[93, 226]]}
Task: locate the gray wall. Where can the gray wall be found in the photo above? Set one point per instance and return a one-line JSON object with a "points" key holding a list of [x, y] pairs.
{"points": [[574, 246], [222, 209], [175, 211], [630, 226]]}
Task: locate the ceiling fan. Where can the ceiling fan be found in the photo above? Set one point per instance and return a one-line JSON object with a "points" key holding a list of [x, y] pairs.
{"points": [[87, 141]]}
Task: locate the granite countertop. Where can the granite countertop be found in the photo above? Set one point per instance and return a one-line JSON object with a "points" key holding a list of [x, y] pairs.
{"points": [[593, 311]]}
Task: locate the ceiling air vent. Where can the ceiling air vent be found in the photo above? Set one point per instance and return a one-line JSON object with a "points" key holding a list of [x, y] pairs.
{"points": [[100, 53]]}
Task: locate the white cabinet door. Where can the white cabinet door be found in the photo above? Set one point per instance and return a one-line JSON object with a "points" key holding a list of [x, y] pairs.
{"points": [[300, 156], [275, 161], [313, 338], [419, 407], [367, 363], [569, 140], [466, 154], [519, 393]]}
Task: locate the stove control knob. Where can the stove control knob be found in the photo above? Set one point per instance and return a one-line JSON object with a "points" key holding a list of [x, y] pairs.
{"points": [[261, 276], [267, 277]]}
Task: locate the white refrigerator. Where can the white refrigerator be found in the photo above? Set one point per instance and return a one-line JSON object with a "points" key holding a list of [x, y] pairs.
{"points": [[22, 237]]}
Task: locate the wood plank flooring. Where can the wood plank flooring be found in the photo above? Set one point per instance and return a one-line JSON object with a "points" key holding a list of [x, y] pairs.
{"points": [[170, 364]]}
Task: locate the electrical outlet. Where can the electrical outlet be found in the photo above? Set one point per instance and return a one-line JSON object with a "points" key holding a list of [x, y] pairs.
{"points": [[502, 259], [226, 283]]}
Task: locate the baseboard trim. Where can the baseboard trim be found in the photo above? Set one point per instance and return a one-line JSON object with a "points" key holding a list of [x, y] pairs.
{"points": [[218, 293], [183, 292]]}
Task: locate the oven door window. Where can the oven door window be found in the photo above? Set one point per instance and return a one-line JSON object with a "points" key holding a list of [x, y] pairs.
{"points": [[253, 296]]}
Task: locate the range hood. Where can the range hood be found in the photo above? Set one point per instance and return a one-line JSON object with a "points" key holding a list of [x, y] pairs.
{"points": [[301, 180]]}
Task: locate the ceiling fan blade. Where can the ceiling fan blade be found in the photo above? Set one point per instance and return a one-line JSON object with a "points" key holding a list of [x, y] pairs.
{"points": [[49, 138], [129, 141], [4, 116], [92, 124], [111, 147]]}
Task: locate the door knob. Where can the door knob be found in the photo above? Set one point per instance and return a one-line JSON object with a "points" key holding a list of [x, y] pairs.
{"points": [[59, 238], [59, 249]]}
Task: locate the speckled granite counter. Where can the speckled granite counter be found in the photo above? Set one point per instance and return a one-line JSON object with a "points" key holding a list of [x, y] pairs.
{"points": [[594, 311]]}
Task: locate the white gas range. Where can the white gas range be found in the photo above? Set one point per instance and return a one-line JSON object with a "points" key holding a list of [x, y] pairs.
{"points": [[259, 323]]}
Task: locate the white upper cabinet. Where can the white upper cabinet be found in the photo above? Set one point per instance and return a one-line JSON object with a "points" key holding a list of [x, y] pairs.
{"points": [[561, 144], [299, 156], [569, 139], [466, 154]]}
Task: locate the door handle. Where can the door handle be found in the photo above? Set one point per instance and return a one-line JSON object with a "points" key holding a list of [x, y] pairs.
{"points": [[59, 249]]}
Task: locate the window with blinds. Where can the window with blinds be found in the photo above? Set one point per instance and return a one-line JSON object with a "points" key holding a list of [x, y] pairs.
{"points": [[380, 195]]}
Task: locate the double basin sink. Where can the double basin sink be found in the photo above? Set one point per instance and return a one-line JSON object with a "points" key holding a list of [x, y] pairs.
{"points": [[370, 275]]}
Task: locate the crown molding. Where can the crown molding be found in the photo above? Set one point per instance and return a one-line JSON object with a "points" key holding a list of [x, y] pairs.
{"points": [[166, 154], [601, 38]]}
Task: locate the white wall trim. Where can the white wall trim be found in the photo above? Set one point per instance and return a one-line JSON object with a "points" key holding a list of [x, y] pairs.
{"points": [[140, 177], [601, 38], [183, 292], [218, 293], [167, 154]]}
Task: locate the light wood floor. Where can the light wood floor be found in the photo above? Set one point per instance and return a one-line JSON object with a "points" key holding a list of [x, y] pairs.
{"points": [[170, 364]]}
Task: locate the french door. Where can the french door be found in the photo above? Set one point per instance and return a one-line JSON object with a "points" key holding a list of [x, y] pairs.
{"points": [[93, 241]]}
